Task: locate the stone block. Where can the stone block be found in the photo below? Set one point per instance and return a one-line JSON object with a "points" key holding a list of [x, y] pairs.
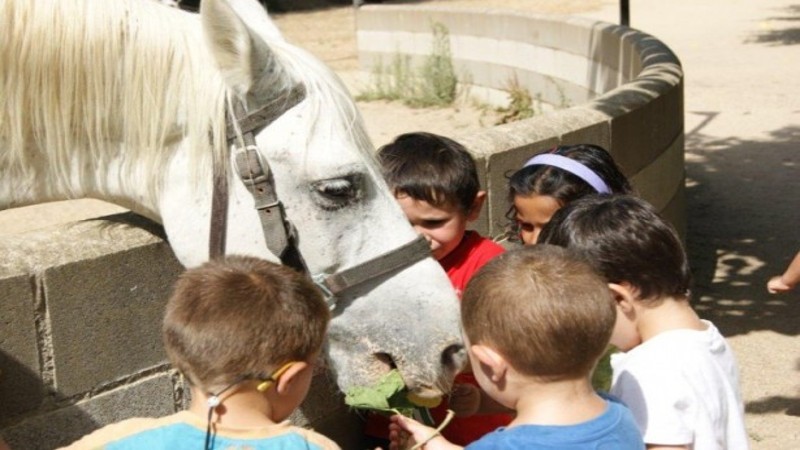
{"points": [[675, 212], [481, 224], [21, 385], [108, 325], [104, 284], [583, 126], [149, 397], [659, 181]]}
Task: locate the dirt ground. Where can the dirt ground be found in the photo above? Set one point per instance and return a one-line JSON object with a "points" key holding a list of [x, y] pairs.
{"points": [[743, 167]]}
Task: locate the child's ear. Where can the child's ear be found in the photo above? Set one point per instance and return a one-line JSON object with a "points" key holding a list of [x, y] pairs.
{"points": [[284, 383], [624, 294], [489, 358], [477, 205]]}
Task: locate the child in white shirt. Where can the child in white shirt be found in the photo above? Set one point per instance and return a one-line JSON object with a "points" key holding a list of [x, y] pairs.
{"points": [[676, 372]]}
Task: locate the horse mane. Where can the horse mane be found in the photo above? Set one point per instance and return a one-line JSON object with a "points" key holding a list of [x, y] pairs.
{"points": [[80, 78]]}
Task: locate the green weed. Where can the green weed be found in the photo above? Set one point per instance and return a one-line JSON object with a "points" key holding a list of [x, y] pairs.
{"points": [[434, 83]]}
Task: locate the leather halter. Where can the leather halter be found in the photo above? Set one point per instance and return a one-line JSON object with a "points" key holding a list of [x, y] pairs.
{"points": [[280, 236]]}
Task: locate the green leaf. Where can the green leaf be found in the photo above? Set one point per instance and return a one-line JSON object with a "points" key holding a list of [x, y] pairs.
{"points": [[388, 395]]}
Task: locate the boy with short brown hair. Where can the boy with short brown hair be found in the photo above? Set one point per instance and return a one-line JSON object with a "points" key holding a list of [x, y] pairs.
{"points": [[536, 321], [245, 333]]}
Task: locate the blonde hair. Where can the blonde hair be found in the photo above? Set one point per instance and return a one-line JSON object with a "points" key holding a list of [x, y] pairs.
{"points": [[543, 309], [82, 78]]}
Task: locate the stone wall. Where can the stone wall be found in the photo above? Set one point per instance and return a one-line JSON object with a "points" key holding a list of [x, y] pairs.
{"points": [[624, 88], [80, 334]]}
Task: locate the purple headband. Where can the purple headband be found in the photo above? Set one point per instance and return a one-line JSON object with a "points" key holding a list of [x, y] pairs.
{"points": [[573, 167]]}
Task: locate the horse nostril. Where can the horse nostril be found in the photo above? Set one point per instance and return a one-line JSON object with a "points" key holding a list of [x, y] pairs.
{"points": [[454, 357], [386, 359]]}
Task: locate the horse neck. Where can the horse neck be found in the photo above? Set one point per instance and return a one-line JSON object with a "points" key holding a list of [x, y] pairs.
{"points": [[120, 180]]}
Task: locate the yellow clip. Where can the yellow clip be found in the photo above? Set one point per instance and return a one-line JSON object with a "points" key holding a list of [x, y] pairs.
{"points": [[265, 384]]}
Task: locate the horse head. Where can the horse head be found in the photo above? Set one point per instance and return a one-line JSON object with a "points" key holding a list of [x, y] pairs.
{"points": [[341, 212]]}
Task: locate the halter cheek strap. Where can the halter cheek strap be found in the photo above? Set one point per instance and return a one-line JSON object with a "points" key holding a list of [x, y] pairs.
{"points": [[573, 167]]}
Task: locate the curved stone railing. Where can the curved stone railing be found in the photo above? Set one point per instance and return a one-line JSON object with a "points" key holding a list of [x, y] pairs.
{"points": [[625, 86]]}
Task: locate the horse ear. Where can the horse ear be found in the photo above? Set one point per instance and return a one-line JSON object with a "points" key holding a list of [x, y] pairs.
{"points": [[236, 32]]}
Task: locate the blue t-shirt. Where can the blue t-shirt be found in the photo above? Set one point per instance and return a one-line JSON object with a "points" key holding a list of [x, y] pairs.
{"points": [[184, 430], [615, 429]]}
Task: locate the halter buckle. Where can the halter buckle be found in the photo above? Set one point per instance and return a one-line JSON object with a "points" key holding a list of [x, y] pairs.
{"points": [[250, 165], [328, 296]]}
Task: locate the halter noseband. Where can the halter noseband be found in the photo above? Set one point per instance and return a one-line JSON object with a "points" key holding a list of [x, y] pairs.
{"points": [[255, 173]]}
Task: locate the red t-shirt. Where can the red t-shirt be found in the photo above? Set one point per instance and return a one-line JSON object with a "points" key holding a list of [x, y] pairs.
{"points": [[471, 254]]}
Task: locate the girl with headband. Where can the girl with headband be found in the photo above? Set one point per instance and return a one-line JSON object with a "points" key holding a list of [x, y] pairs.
{"points": [[549, 181]]}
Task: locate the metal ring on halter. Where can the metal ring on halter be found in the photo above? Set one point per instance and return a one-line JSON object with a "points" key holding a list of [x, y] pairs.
{"points": [[328, 296]]}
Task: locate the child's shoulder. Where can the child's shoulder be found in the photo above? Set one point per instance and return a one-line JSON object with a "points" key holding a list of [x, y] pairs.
{"points": [[124, 429], [169, 431], [682, 343], [482, 246], [315, 439]]}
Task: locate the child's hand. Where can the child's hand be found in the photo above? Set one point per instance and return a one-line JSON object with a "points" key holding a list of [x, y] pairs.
{"points": [[465, 400], [406, 433], [775, 285]]}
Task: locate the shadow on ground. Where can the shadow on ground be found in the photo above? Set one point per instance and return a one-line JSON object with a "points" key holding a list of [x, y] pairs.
{"points": [[783, 36], [751, 187]]}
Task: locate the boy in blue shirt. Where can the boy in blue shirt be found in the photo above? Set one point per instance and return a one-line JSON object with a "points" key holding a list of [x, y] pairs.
{"points": [[245, 333], [536, 321]]}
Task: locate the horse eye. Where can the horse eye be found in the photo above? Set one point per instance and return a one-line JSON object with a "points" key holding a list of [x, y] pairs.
{"points": [[337, 193]]}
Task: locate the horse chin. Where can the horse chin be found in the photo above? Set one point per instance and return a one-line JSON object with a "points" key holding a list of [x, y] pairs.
{"points": [[386, 363], [355, 369], [428, 393], [456, 354]]}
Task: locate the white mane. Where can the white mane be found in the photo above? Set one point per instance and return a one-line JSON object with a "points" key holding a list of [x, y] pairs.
{"points": [[82, 81]]}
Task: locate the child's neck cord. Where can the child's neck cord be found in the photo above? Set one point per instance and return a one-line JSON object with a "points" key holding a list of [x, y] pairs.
{"points": [[214, 400]]}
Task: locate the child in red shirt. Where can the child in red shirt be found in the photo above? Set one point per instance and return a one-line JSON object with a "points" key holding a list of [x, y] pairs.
{"points": [[435, 181]]}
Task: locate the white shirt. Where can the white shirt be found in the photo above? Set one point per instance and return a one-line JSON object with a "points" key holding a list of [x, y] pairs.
{"points": [[682, 387]]}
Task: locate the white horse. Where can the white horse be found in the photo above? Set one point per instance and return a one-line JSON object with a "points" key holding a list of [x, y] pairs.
{"points": [[126, 101]]}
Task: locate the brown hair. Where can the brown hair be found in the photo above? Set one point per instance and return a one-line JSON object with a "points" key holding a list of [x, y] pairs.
{"points": [[625, 240], [431, 168], [241, 317], [542, 308]]}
